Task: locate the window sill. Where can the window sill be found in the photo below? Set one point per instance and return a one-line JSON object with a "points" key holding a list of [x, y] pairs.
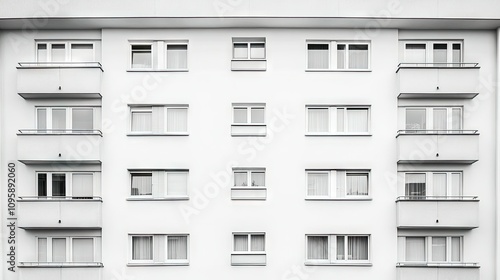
{"points": [[338, 199], [338, 134], [157, 70], [158, 199], [338, 264], [338, 70], [157, 134], [59, 264], [158, 264]]}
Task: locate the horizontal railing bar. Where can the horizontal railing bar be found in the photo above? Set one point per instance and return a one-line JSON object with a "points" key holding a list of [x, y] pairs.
{"points": [[437, 131], [62, 131], [55, 198], [432, 197]]}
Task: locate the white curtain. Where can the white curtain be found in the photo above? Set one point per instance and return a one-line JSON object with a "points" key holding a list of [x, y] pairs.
{"points": [[177, 119], [240, 179], [358, 56], [440, 119], [341, 57], [257, 115], [455, 249], [317, 56], [415, 119], [41, 53], [82, 185], [142, 248], [415, 53], [82, 52], [440, 53], [318, 120], [341, 183], [456, 119], [340, 119], [439, 249], [177, 247], [257, 242], [59, 249], [83, 118], [415, 185], [83, 250], [317, 184], [240, 51], [176, 56], [341, 247], [240, 243], [240, 115], [258, 179], [142, 184], [177, 183], [456, 184], [357, 247], [41, 119], [357, 120], [42, 249], [357, 184], [257, 51], [141, 56], [142, 121], [58, 53], [415, 249], [317, 247], [457, 54], [59, 119], [439, 184]]}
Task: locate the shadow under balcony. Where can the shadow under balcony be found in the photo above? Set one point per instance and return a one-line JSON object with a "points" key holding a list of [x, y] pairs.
{"points": [[63, 212], [437, 212], [438, 80], [35, 146], [438, 146], [59, 80]]}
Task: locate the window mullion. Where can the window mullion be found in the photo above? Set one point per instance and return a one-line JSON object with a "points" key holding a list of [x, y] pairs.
{"points": [[332, 184], [332, 54], [429, 183], [249, 242], [68, 187]]}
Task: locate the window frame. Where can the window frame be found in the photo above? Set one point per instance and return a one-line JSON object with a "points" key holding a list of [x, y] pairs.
{"points": [[69, 248], [156, 262], [332, 184], [332, 251], [249, 172], [248, 108], [67, 49], [332, 120], [249, 41], [429, 182], [332, 55], [429, 53], [69, 118], [429, 118], [161, 112], [429, 250], [249, 240], [159, 55], [158, 194], [68, 184]]}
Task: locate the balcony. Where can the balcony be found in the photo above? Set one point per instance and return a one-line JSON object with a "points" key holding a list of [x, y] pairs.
{"points": [[59, 80], [438, 271], [438, 146], [59, 271], [451, 212], [59, 146], [60, 212], [438, 80]]}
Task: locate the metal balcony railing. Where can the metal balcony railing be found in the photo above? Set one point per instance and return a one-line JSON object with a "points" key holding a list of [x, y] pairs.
{"points": [[60, 264], [60, 131], [437, 131], [438, 264], [59, 198], [41, 65], [437, 65], [436, 197]]}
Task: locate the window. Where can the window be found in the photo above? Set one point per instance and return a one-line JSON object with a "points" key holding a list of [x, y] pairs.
{"points": [[159, 249], [433, 53], [433, 119], [249, 183], [61, 51], [159, 184], [76, 185], [335, 120], [337, 184], [159, 55], [337, 249], [159, 120], [438, 184], [338, 55], [248, 114], [432, 249], [66, 119], [249, 249], [67, 249], [249, 48]]}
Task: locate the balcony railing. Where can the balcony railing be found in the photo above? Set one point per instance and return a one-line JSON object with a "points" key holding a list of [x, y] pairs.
{"points": [[60, 264], [438, 80], [438, 146], [60, 131], [59, 79], [437, 197], [438, 264]]}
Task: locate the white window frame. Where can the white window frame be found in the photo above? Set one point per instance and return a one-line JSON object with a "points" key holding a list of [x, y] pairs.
{"points": [[153, 247], [428, 250], [69, 117], [159, 178], [249, 237], [332, 184], [249, 172], [69, 247], [157, 128], [332, 54], [69, 183], [429, 53], [429, 190], [249, 113], [158, 55], [332, 250], [429, 117], [140, 109], [249, 42], [67, 48], [332, 119]]}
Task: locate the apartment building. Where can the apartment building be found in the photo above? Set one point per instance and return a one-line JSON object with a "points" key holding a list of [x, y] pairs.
{"points": [[238, 139]]}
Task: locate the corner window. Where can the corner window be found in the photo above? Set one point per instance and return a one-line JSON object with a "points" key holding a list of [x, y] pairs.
{"points": [[337, 249], [337, 184], [159, 249], [159, 184], [338, 55], [159, 120], [336, 120], [159, 55]]}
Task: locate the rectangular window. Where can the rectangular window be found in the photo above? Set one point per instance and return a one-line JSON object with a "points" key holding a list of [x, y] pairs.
{"points": [[433, 185], [249, 184], [338, 55], [64, 51], [334, 120], [77, 185], [66, 119], [159, 249], [433, 119], [159, 184], [249, 242], [337, 184], [159, 55], [67, 249], [432, 249], [324, 249], [248, 114], [433, 53], [159, 120], [249, 48]]}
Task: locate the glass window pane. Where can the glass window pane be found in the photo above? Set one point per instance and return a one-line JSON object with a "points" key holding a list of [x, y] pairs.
{"points": [[240, 115], [317, 247], [42, 184], [318, 120], [142, 184], [456, 119], [357, 120], [415, 53], [257, 115], [41, 119], [415, 249], [357, 247], [82, 52], [177, 247], [142, 56], [240, 51], [356, 184], [317, 184], [82, 185], [340, 119], [318, 56], [257, 51], [341, 248], [440, 53], [341, 56], [176, 56], [142, 247], [177, 183], [358, 56], [42, 249], [58, 184], [439, 184], [440, 119], [241, 243], [83, 119], [58, 52], [456, 254], [258, 179], [59, 249], [438, 249], [142, 122], [83, 250], [456, 184], [457, 53], [41, 55], [177, 119], [415, 119], [59, 120], [240, 179], [257, 242], [415, 185]]}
